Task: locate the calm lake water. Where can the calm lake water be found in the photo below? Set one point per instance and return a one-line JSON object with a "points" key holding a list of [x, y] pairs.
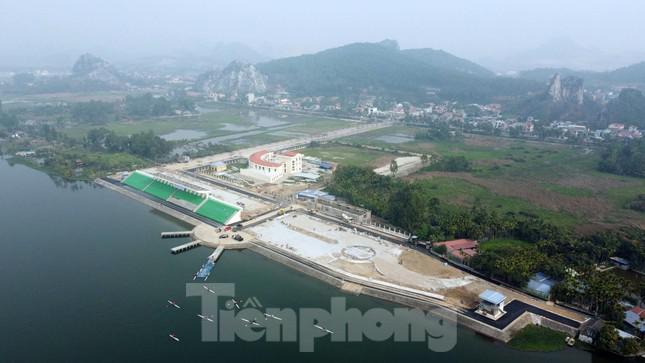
{"points": [[84, 277], [184, 134], [395, 139]]}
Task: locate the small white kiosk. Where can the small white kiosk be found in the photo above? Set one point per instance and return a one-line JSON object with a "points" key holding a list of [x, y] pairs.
{"points": [[491, 304]]}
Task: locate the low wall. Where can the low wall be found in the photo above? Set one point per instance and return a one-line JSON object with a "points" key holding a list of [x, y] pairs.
{"points": [[518, 324], [487, 330], [554, 325]]}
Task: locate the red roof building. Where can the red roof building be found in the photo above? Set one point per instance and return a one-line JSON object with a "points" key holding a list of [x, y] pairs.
{"points": [[460, 249], [270, 167]]}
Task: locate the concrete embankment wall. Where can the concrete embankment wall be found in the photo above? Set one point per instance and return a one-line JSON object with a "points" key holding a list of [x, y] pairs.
{"points": [[297, 266], [436, 307], [228, 246], [554, 325], [150, 203]]}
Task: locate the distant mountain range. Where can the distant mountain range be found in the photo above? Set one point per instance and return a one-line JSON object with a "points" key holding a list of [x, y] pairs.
{"points": [[630, 76], [562, 53], [382, 68], [196, 61]]}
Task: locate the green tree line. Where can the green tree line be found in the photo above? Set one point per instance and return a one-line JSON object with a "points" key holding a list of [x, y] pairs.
{"points": [[624, 158], [143, 144]]}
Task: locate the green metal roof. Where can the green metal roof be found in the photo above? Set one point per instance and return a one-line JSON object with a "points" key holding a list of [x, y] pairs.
{"points": [[160, 190], [217, 211], [188, 197], [137, 180]]}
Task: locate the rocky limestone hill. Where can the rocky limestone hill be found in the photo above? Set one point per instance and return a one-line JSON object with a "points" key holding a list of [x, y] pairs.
{"points": [[89, 67], [566, 90], [563, 100], [235, 81]]}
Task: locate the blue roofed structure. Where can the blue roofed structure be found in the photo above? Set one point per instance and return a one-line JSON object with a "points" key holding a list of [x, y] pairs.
{"points": [[326, 165], [620, 262], [492, 297], [313, 177], [315, 194], [540, 285]]}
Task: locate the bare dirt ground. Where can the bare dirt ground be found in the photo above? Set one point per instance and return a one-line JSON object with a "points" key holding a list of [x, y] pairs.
{"points": [[283, 190], [417, 262], [383, 160], [467, 296], [593, 183]]}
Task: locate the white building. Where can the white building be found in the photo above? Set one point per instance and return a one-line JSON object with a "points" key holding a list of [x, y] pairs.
{"points": [[270, 167], [491, 304]]}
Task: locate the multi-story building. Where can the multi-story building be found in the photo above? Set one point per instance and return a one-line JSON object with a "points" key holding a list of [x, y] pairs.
{"points": [[270, 167]]}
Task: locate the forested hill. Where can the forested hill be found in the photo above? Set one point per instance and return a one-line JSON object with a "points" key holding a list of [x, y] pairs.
{"points": [[382, 68], [447, 61]]}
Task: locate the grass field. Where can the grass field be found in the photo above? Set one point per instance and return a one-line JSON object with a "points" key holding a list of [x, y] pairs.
{"points": [[538, 339], [459, 191], [35, 99], [347, 155], [313, 126], [558, 182], [254, 140]]}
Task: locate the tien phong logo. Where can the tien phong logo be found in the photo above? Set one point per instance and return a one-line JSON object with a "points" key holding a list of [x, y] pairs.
{"points": [[248, 320]]}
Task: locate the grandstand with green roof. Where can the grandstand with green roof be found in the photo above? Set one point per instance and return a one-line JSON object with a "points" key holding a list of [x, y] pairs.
{"points": [[220, 212], [211, 208], [160, 190], [138, 180], [189, 197]]}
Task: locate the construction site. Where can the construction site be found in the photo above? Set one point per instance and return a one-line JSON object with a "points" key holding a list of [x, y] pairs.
{"points": [[268, 199]]}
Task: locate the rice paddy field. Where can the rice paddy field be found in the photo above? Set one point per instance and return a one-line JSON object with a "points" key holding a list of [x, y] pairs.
{"points": [[222, 120]]}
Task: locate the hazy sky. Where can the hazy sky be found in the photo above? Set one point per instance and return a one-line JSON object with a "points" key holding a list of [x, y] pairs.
{"points": [[483, 29]]}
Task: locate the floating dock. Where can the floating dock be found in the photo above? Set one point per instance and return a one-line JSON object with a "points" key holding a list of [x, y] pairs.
{"points": [[184, 247], [216, 254], [176, 234], [207, 268]]}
